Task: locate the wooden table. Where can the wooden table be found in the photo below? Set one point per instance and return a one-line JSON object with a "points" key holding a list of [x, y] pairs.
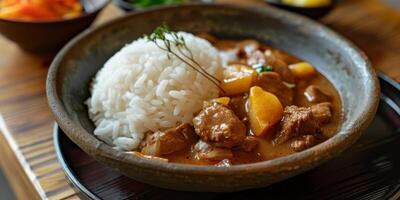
{"points": [[26, 124]]}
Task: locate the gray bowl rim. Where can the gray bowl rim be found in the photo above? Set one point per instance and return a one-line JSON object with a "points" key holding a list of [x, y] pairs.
{"points": [[332, 147]]}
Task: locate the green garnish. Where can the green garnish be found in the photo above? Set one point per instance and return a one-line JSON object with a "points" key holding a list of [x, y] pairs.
{"points": [[262, 68], [166, 40], [149, 3]]}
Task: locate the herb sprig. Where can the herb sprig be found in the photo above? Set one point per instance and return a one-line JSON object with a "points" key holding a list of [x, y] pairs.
{"points": [[262, 68], [166, 39]]}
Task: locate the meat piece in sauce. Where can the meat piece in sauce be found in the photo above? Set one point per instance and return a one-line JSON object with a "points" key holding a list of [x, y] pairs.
{"points": [[219, 125], [170, 141], [249, 143], [322, 112], [268, 58], [301, 120], [279, 66], [296, 121], [272, 82], [238, 106], [304, 142], [204, 150], [316, 95]]}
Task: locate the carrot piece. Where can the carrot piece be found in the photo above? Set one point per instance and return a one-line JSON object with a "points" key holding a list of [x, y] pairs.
{"points": [[40, 9], [36, 12]]}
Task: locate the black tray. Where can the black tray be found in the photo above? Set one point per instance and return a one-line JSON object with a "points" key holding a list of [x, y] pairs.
{"points": [[368, 170]]}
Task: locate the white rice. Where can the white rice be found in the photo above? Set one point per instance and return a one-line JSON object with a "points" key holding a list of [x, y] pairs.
{"points": [[141, 89]]}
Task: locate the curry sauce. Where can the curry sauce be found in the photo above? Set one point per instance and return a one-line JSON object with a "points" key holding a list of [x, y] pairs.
{"points": [[305, 110]]}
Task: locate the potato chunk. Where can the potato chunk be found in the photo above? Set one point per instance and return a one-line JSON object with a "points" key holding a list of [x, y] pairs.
{"points": [[302, 70], [238, 79], [222, 100], [265, 110]]}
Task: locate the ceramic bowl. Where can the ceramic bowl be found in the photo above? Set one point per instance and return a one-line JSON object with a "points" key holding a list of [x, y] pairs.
{"points": [[50, 36], [339, 60]]}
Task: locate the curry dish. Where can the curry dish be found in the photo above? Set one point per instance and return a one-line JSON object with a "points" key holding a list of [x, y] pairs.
{"points": [[272, 105]]}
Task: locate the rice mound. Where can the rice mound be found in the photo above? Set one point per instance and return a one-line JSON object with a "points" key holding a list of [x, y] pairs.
{"points": [[142, 89]]}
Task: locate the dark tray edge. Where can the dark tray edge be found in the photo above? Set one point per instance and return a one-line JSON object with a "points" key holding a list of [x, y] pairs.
{"points": [[78, 187]]}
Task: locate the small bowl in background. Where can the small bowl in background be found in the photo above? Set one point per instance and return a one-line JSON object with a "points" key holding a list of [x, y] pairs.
{"points": [[311, 12], [128, 5], [50, 36]]}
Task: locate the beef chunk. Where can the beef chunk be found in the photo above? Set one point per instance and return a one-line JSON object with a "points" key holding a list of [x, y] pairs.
{"points": [[249, 143], [204, 150], [299, 121], [279, 66], [322, 112], [219, 125], [272, 82], [296, 121], [170, 141], [238, 106], [269, 58], [304, 142], [315, 95]]}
